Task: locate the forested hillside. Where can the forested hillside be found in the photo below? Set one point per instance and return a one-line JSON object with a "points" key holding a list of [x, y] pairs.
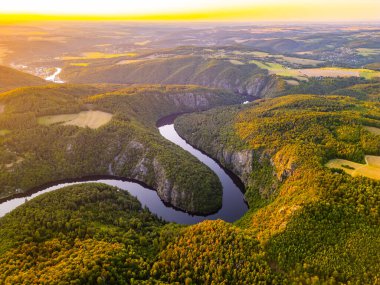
{"points": [[218, 73], [33, 153], [97, 234], [354, 87], [311, 219]]}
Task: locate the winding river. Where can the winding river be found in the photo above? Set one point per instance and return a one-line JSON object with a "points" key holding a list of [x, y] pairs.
{"points": [[54, 77], [232, 209]]}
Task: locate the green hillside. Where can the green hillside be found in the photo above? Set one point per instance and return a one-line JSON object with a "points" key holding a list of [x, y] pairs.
{"points": [[315, 222]]}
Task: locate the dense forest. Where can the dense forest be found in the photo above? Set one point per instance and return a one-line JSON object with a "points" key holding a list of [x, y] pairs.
{"points": [[97, 234]]}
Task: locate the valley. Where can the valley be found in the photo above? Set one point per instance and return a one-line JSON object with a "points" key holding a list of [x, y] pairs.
{"points": [[233, 204], [203, 154]]}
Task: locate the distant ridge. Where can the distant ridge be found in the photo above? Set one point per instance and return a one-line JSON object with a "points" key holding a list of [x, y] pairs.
{"points": [[11, 78]]}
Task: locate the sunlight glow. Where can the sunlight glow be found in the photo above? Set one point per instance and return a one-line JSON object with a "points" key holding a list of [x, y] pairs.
{"points": [[237, 10]]}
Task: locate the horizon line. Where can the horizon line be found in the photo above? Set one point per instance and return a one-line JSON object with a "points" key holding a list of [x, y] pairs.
{"points": [[180, 17]]}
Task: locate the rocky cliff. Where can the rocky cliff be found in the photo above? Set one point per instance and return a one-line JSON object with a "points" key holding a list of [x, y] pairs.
{"points": [[129, 146]]}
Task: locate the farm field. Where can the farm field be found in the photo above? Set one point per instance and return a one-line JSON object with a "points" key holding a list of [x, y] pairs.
{"points": [[82, 64], [368, 51], [91, 119], [129, 61], [300, 61], [97, 55], [278, 69], [370, 170], [304, 73], [339, 72], [374, 130]]}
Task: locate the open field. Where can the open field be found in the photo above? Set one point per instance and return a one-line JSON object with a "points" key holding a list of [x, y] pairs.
{"points": [[370, 170], [97, 55], [285, 59], [2, 107], [368, 51], [329, 72], [281, 70], [91, 119], [292, 82], [373, 160], [339, 72], [81, 64], [253, 53], [300, 61], [129, 61], [374, 130]]}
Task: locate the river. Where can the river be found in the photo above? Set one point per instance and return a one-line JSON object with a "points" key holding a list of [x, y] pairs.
{"points": [[54, 77], [232, 209]]}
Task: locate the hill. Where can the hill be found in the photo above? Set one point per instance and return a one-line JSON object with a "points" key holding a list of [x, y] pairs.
{"points": [[97, 234], [218, 73], [11, 78], [314, 221]]}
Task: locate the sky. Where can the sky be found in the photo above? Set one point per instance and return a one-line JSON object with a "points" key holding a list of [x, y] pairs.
{"points": [[213, 10]]}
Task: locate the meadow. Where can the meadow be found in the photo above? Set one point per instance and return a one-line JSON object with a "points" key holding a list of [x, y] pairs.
{"points": [[371, 169], [91, 119]]}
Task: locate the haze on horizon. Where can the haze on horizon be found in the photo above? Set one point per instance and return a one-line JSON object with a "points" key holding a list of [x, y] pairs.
{"points": [[193, 10]]}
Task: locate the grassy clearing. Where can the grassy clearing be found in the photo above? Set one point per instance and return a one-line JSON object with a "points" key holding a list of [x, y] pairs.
{"points": [[292, 82], [374, 130], [236, 62], [278, 69], [370, 170], [91, 119]]}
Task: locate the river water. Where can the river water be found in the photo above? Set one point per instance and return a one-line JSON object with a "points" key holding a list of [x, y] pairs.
{"points": [[54, 77], [232, 209]]}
